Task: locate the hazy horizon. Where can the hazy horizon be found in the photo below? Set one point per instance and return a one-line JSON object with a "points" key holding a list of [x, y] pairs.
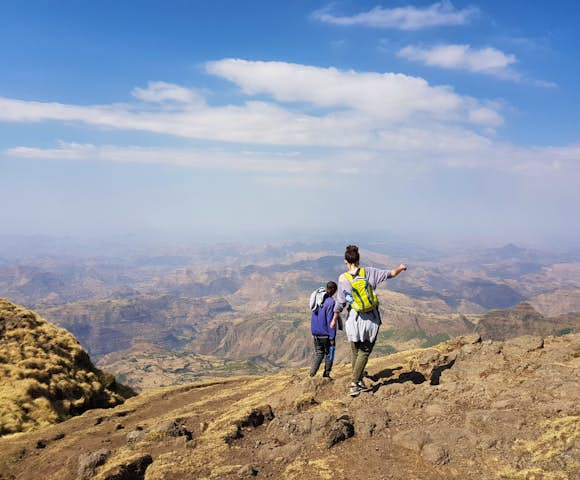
{"points": [[16, 246]]}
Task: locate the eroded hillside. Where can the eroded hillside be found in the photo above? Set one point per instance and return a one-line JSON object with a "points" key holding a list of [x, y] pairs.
{"points": [[181, 316], [464, 409]]}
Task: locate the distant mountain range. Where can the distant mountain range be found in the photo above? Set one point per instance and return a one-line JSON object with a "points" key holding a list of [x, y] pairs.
{"points": [[171, 317]]}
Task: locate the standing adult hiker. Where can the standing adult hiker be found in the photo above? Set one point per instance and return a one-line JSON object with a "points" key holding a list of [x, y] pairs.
{"points": [[322, 306], [356, 289]]}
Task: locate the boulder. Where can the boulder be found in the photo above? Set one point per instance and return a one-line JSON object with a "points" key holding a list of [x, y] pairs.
{"points": [[435, 454], [522, 345], [248, 471], [132, 470], [342, 429], [412, 439], [135, 436], [88, 462], [371, 421], [172, 428]]}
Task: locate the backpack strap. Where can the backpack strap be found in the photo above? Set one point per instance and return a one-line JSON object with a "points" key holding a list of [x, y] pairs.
{"points": [[359, 273]]}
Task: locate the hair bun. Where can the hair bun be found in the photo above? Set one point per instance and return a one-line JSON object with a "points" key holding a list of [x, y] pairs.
{"points": [[351, 255]]}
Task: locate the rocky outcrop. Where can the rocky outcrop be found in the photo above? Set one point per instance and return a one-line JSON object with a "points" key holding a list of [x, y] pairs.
{"points": [[114, 325], [522, 320], [45, 375]]}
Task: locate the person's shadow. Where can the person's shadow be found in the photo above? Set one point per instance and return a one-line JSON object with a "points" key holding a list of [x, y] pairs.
{"points": [[387, 373], [412, 376]]}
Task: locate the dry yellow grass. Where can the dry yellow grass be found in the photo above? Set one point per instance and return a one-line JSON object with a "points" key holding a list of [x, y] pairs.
{"points": [[530, 474], [46, 376], [558, 436]]}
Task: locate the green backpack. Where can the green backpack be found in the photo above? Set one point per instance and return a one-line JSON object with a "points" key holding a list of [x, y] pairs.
{"points": [[364, 299]]}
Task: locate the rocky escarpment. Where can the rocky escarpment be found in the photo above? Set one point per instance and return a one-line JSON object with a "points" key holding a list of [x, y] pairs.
{"points": [[523, 318], [113, 325], [464, 409], [45, 375]]}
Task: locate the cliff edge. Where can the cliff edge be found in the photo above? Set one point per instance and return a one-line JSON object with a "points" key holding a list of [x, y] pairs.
{"points": [[45, 375]]}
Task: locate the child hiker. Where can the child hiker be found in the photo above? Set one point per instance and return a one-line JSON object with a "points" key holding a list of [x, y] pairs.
{"points": [[356, 288], [322, 305]]}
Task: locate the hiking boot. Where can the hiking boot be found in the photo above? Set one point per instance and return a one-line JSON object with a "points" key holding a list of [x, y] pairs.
{"points": [[354, 390], [327, 375], [363, 387]]}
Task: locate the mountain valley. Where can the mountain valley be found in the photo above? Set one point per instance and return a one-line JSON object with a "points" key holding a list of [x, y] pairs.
{"points": [[173, 317]]}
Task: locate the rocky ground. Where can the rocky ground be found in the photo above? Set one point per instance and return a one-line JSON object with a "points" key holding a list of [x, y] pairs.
{"points": [[464, 409]]}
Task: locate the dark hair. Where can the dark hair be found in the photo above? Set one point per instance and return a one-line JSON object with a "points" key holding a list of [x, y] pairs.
{"points": [[351, 255], [331, 288]]}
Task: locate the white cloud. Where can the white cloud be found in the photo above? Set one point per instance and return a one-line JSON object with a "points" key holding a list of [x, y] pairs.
{"points": [[159, 92], [393, 97], [412, 149], [252, 122], [319, 120], [463, 57], [298, 165], [485, 116], [330, 107], [209, 159], [402, 18]]}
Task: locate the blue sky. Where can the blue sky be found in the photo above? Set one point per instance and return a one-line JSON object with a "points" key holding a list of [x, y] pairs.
{"points": [[441, 120]]}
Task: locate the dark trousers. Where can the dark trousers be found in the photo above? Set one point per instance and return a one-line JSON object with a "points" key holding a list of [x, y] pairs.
{"points": [[321, 351]]}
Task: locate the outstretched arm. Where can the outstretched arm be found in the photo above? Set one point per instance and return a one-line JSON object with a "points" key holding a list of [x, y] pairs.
{"points": [[376, 275], [399, 269]]}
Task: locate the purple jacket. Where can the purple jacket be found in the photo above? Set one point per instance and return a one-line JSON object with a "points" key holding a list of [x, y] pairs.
{"points": [[321, 318]]}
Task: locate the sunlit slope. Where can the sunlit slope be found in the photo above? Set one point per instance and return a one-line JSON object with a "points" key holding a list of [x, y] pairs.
{"points": [[464, 409], [45, 375]]}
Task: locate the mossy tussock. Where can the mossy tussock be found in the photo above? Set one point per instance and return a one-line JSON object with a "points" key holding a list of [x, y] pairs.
{"points": [[45, 375]]}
